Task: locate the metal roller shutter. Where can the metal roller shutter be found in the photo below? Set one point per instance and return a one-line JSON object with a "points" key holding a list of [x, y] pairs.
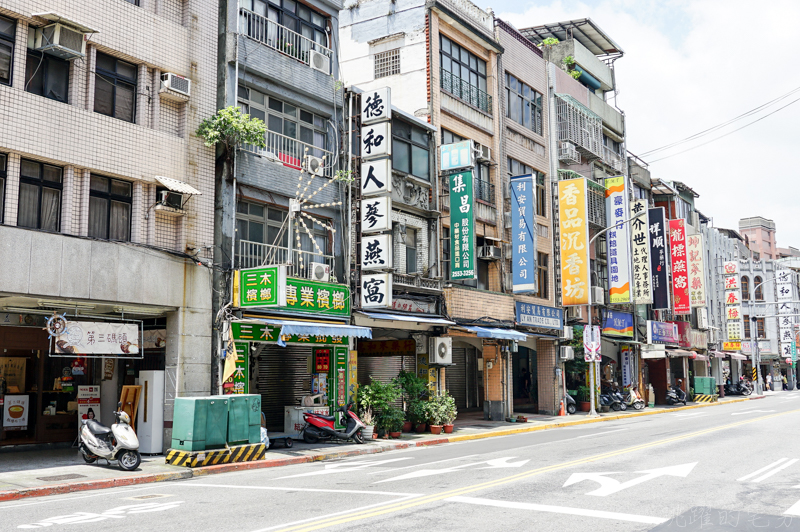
{"points": [[456, 377], [383, 368], [283, 378]]}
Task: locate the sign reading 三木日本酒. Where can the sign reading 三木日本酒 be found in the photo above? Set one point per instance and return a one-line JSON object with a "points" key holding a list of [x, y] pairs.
{"points": [[260, 287], [523, 229], [618, 240], [98, 338], [617, 323], [462, 227], [376, 290], [457, 155], [376, 214], [694, 256], [376, 177], [539, 316], [572, 222], [376, 105], [262, 332], [318, 297], [641, 281], [658, 257], [376, 140], [376, 252], [680, 270]]}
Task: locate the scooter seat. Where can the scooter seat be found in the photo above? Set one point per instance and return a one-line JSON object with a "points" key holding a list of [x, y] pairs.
{"points": [[96, 428], [328, 418]]}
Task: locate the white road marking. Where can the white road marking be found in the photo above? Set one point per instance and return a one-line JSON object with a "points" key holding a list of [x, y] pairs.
{"points": [[341, 467], [314, 490], [611, 485], [777, 469], [114, 513], [116, 491], [795, 509], [765, 468], [504, 462], [421, 465], [688, 414], [598, 434], [751, 412], [496, 463], [560, 510]]}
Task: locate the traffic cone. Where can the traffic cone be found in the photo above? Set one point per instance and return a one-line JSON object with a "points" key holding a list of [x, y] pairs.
{"points": [[561, 411]]}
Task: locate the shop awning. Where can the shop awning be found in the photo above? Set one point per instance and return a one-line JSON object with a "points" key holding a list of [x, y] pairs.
{"points": [[737, 356], [500, 334], [407, 317], [679, 353], [290, 327], [178, 186], [699, 356]]}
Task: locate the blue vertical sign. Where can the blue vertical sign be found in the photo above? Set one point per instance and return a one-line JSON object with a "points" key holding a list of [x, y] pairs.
{"points": [[523, 241]]}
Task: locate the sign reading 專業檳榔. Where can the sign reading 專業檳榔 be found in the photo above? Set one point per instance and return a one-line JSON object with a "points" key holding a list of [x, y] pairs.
{"points": [[462, 227], [617, 323], [523, 238], [680, 269], [261, 287], [87, 338], [572, 222], [641, 281], [618, 240], [658, 257], [299, 295], [539, 316], [694, 260]]}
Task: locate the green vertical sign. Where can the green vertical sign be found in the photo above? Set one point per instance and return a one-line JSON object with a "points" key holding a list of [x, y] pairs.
{"points": [[262, 287], [794, 354], [462, 227], [239, 382], [337, 389]]}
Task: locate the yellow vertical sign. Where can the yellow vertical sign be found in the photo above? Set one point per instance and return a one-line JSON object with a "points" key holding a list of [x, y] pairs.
{"points": [[572, 201]]}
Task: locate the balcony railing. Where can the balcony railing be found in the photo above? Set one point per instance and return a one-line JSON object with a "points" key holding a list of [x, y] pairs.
{"points": [[580, 126], [466, 92], [291, 151], [613, 159], [484, 190], [280, 38], [416, 281], [255, 254]]}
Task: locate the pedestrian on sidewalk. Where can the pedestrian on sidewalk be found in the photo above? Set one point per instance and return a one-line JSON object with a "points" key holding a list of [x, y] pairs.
{"points": [[785, 382], [769, 382]]}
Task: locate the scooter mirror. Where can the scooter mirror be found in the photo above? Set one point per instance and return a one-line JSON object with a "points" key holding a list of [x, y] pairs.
{"points": [[119, 405]]}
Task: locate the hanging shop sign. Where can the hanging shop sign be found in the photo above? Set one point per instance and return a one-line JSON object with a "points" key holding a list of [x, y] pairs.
{"points": [[694, 255], [261, 332], [572, 208], [376, 177], [523, 218], [731, 346], [680, 270], [734, 326], [617, 323], [764, 347], [376, 252], [540, 316], [659, 332], [734, 329], [260, 287], [413, 305], [591, 344], [376, 140], [698, 339], [684, 328], [22, 320], [626, 354], [376, 105], [303, 295], [618, 240], [658, 257], [640, 254], [733, 297], [457, 155], [376, 290], [98, 338], [376, 214], [387, 347], [237, 374], [786, 321], [462, 227], [15, 412]]}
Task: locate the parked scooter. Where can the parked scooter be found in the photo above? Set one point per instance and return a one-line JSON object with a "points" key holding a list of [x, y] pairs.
{"points": [[610, 399], [572, 407], [116, 443], [739, 388], [675, 395], [319, 427], [634, 399]]}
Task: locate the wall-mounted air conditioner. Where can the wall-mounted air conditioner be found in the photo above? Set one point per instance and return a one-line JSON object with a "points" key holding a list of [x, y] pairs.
{"points": [[440, 351], [313, 165], [598, 295], [574, 313], [489, 252], [176, 83], [566, 353], [318, 271], [567, 333], [171, 199], [61, 41], [483, 153], [320, 62]]}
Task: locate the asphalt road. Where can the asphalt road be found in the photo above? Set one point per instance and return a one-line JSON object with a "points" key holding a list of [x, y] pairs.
{"points": [[731, 467]]}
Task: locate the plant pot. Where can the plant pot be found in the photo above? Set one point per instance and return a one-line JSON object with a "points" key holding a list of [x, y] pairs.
{"points": [[436, 429], [585, 406], [448, 428], [605, 408], [408, 426], [420, 428], [368, 432], [395, 434]]}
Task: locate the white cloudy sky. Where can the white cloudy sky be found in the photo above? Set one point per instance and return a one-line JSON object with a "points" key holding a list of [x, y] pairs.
{"points": [[690, 65]]}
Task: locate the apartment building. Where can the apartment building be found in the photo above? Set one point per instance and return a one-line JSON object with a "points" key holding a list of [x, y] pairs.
{"points": [[106, 201], [760, 234]]}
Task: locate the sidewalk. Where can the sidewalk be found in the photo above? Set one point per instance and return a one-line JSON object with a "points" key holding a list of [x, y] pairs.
{"points": [[37, 473]]}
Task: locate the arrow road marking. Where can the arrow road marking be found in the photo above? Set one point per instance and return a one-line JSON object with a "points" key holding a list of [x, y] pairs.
{"points": [[610, 485], [598, 434], [345, 467], [775, 467], [687, 414], [493, 464], [795, 509], [420, 465], [750, 412], [504, 462]]}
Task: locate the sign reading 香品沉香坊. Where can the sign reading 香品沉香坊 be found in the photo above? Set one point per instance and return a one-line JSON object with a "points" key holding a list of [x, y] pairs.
{"points": [[539, 316], [262, 287], [617, 323], [523, 239], [462, 227], [573, 225]]}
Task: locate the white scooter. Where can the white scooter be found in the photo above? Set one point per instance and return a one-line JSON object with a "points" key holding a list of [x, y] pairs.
{"points": [[116, 443], [634, 399]]}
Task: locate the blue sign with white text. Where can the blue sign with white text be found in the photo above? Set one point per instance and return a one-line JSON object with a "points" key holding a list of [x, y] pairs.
{"points": [[539, 316], [523, 233], [617, 323]]}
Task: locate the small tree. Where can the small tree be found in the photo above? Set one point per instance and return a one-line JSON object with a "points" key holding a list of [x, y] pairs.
{"points": [[231, 129]]}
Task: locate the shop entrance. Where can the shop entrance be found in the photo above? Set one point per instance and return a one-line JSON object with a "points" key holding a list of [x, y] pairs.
{"points": [[525, 380], [657, 370], [464, 379]]}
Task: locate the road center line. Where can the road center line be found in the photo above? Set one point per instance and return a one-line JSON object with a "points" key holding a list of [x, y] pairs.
{"points": [[314, 490], [765, 468]]}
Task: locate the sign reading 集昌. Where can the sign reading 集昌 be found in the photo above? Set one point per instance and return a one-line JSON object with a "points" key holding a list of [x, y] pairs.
{"points": [[659, 332], [462, 227], [261, 287], [617, 323], [618, 239], [523, 239], [572, 221], [539, 316], [456, 156]]}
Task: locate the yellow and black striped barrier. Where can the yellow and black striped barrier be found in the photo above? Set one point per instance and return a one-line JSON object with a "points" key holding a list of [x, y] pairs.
{"points": [[702, 398], [755, 374], [239, 453]]}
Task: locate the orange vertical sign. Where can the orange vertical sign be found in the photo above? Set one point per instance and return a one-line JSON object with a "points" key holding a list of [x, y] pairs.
{"points": [[572, 201]]}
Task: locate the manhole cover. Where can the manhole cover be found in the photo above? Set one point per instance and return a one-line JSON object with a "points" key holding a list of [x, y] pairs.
{"points": [[61, 477], [144, 497]]}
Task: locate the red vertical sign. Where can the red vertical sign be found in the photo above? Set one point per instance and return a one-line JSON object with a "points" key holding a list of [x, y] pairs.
{"points": [[680, 272]]}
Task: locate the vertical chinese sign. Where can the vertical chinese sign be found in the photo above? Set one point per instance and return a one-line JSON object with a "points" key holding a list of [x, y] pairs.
{"points": [[640, 254], [523, 205], [694, 255], [462, 227], [236, 378], [574, 231], [658, 258], [618, 239], [733, 303], [680, 271], [786, 333]]}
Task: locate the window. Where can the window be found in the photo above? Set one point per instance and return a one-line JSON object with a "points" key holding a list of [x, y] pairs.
{"points": [[682, 209], [39, 196], [3, 169], [746, 326], [639, 192], [109, 208], [410, 149], [758, 289], [516, 168], [483, 275], [760, 327], [745, 288], [524, 104], [8, 30], [411, 250], [291, 15], [541, 275], [484, 189], [464, 75], [115, 87], [448, 137], [387, 63], [134, 2], [47, 76], [445, 273]]}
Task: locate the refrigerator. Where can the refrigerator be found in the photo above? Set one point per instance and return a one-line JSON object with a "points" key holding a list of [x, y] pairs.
{"points": [[150, 427]]}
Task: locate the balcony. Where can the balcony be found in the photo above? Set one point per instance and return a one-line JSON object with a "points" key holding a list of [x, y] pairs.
{"points": [[416, 283], [484, 191], [280, 38], [611, 117], [568, 154], [465, 92], [614, 160], [595, 198], [290, 152], [580, 126], [255, 254]]}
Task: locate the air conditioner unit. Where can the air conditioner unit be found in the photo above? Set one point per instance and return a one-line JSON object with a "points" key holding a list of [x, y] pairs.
{"points": [[171, 199], [440, 351], [566, 353], [320, 62], [313, 165], [489, 252], [574, 313], [176, 83], [483, 153], [568, 154], [598, 295], [567, 333], [319, 272], [61, 41]]}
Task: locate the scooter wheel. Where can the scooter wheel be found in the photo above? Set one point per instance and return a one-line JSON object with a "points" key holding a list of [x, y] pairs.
{"points": [[638, 406], [88, 459], [616, 407], [309, 438], [571, 409], [358, 438], [129, 460], [747, 392], [623, 406], [288, 442]]}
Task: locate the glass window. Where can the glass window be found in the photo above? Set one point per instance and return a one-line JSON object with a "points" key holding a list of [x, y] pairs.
{"points": [[758, 289], [448, 137], [47, 76], [387, 63], [110, 208], [745, 288], [411, 250], [410, 151], [516, 168], [115, 87], [746, 326], [39, 196], [542, 267], [524, 105], [760, 327], [8, 30], [287, 13], [3, 166], [463, 74]]}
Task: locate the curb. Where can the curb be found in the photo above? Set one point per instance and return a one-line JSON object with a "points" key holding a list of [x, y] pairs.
{"points": [[88, 485]]}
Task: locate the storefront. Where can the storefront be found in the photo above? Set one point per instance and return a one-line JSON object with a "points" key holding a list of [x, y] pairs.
{"points": [[620, 361], [657, 367], [537, 387]]}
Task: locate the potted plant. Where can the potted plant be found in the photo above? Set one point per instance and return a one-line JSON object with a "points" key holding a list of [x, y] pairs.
{"points": [[417, 415], [391, 420], [435, 409], [414, 389], [583, 398], [449, 412]]}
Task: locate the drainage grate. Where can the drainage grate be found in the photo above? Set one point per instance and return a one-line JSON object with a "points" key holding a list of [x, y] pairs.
{"points": [[61, 477], [145, 497]]}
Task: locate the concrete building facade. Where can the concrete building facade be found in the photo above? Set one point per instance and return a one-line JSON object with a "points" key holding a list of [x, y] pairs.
{"points": [[760, 233]]}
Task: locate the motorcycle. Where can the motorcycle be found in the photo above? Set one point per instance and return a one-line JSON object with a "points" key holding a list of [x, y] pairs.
{"points": [[634, 399], [572, 407], [610, 399], [738, 388], [675, 395], [322, 428], [116, 443]]}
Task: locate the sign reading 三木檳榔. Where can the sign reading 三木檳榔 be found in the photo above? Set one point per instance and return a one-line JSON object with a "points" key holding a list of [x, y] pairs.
{"points": [[572, 222], [539, 316], [618, 240], [261, 287], [694, 261], [261, 332], [680, 269], [523, 239], [617, 323], [462, 227], [641, 281], [658, 257]]}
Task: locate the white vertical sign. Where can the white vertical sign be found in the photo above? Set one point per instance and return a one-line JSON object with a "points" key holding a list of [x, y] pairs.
{"points": [[376, 177], [376, 290], [640, 253], [376, 105], [376, 252]]}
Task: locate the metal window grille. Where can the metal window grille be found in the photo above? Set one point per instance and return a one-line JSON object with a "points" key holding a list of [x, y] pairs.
{"points": [[579, 125], [387, 63]]}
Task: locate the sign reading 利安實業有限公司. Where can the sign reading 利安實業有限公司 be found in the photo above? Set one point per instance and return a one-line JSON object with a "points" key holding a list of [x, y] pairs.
{"points": [[462, 227], [539, 316], [523, 237]]}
